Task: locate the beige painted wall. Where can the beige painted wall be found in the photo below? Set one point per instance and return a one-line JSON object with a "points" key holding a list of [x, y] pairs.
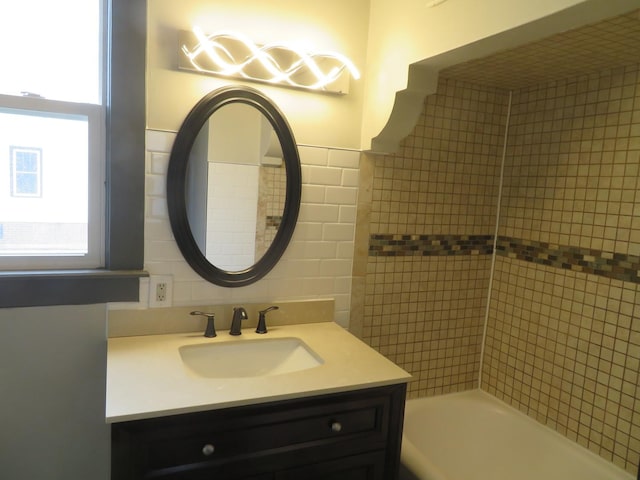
{"points": [[331, 25], [406, 32]]}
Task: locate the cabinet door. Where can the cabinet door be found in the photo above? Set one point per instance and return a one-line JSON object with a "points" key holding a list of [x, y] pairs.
{"points": [[346, 436], [368, 466]]}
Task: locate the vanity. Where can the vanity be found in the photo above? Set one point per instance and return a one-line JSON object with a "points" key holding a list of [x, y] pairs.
{"points": [[301, 400], [335, 412], [353, 435]]}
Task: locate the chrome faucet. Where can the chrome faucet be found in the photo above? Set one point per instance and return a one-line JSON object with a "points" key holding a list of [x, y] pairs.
{"points": [[239, 314]]}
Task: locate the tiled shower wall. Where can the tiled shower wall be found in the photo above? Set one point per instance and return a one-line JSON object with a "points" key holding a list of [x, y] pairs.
{"points": [[563, 336], [563, 325], [425, 228]]}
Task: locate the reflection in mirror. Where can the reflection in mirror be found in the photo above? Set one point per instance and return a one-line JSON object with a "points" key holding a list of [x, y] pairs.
{"points": [[235, 187]]}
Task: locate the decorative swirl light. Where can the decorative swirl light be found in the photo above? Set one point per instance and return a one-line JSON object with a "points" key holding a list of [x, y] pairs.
{"points": [[232, 54]]}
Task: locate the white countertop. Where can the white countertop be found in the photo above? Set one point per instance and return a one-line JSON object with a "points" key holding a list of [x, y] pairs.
{"points": [[147, 378]]}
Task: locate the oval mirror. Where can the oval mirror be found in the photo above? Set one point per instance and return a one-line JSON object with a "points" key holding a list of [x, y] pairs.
{"points": [[233, 186]]}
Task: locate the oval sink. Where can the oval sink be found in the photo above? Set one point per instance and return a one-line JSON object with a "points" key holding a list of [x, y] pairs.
{"points": [[249, 358]]}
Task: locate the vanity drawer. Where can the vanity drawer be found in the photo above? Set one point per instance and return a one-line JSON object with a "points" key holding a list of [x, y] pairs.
{"points": [[247, 442], [227, 438]]}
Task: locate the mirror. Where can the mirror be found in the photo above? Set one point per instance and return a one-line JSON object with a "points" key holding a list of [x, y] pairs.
{"points": [[233, 186], [235, 190]]}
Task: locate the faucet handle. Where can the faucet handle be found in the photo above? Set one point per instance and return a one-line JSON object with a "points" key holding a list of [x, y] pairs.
{"points": [[262, 319], [210, 331]]}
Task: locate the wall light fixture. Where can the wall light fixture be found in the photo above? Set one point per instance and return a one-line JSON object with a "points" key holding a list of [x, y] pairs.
{"points": [[233, 55]]}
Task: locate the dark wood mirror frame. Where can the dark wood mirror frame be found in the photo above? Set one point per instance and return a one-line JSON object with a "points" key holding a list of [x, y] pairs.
{"points": [[177, 176]]}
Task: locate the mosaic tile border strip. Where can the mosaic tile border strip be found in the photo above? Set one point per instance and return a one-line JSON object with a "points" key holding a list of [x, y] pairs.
{"points": [[617, 266], [398, 245], [274, 221]]}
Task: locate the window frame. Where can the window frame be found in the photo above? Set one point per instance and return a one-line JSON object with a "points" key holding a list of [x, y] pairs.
{"points": [[94, 116], [118, 281]]}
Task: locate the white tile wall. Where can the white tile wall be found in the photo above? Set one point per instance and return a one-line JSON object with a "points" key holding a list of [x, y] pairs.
{"points": [[317, 263]]}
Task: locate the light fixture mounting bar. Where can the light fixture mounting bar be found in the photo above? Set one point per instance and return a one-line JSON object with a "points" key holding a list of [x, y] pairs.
{"points": [[231, 54]]}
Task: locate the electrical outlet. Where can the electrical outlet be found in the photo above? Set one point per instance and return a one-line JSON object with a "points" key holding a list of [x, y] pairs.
{"points": [[160, 289], [161, 292]]}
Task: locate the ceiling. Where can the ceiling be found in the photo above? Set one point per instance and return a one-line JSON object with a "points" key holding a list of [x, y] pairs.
{"points": [[604, 45]]}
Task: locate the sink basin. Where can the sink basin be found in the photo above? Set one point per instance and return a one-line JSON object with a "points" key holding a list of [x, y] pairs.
{"points": [[249, 358]]}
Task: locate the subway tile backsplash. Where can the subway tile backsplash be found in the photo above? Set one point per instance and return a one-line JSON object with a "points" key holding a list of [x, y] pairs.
{"points": [[316, 265]]}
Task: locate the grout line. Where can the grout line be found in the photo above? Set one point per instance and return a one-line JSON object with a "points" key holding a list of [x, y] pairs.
{"points": [[495, 241]]}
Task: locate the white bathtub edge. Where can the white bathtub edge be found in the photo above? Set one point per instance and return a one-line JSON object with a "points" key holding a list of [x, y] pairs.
{"points": [[417, 464], [423, 468]]}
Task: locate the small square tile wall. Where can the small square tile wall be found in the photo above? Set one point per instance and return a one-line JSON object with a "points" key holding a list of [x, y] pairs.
{"points": [[564, 348], [272, 196], [563, 331], [573, 163], [445, 178], [427, 314], [426, 219], [595, 47]]}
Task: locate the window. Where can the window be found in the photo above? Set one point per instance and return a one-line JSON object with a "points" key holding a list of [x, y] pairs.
{"points": [[59, 224], [26, 172], [95, 95], [52, 211]]}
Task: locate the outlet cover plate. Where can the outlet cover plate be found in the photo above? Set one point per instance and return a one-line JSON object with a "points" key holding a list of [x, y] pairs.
{"points": [[154, 282]]}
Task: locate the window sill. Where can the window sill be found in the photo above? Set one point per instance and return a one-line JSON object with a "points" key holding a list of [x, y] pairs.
{"points": [[68, 287]]}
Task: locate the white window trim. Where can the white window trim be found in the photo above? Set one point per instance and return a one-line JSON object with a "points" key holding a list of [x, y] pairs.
{"points": [[95, 258]]}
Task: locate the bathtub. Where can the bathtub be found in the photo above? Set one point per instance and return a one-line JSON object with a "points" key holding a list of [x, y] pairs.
{"points": [[474, 436]]}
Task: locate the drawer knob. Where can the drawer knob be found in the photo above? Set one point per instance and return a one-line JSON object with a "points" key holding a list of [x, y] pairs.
{"points": [[336, 427], [208, 449]]}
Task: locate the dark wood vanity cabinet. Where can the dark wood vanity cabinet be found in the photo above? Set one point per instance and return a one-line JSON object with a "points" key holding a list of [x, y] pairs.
{"points": [[343, 436]]}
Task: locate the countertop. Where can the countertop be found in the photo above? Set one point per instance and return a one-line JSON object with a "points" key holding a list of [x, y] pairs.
{"points": [[147, 378]]}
